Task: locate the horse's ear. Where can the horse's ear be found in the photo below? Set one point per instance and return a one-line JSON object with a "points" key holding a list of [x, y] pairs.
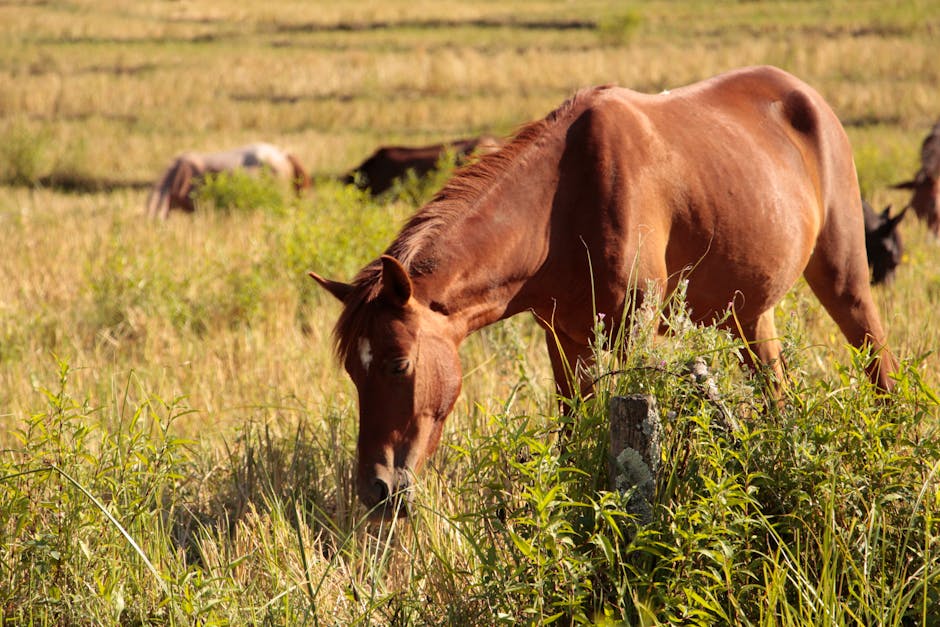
{"points": [[337, 289], [396, 284], [893, 222]]}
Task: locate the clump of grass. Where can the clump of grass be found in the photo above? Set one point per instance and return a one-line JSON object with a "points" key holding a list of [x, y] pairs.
{"points": [[304, 466], [127, 292], [335, 233], [238, 191], [77, 494]]}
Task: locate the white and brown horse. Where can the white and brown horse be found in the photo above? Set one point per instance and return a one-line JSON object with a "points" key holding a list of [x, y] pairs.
{"points": [[173, 190], [739, 184]]}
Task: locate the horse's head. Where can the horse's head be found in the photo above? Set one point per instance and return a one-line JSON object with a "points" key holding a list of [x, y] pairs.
{"points": [[300, 178], [882, 242], [403, 359]]}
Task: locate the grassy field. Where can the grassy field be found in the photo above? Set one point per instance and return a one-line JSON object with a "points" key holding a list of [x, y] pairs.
{"points": [[178, 443]]}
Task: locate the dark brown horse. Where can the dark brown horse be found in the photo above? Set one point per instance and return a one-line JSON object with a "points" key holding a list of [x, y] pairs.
{"points": [[883, 243], [379, 172], [738, 184], [174, 189], [925, 198]]}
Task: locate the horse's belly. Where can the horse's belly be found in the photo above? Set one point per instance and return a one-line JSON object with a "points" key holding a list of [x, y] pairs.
{"points": [[750, 294], [751, 268]]}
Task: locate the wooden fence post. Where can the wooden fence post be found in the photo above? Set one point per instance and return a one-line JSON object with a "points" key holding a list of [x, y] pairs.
{"points": [[635, 449]]}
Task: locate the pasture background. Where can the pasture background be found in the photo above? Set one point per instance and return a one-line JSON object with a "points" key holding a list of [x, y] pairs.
{"points": [[188, 363]]}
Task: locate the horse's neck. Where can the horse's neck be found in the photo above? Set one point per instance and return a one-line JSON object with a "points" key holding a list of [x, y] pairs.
{"points": [[484, 260]]}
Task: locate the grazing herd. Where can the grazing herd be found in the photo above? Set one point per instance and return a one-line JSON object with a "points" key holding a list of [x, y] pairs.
{"points": [[378, 173]]}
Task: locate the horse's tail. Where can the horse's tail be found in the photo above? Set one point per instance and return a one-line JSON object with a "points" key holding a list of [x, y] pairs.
{"points": [[300, 179]]}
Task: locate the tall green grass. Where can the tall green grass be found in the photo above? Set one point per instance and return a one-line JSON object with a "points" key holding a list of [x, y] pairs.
{"points": [[816, 509]]}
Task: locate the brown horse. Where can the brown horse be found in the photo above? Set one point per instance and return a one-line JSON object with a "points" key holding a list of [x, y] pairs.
{"points": [[926, 183], [738, 184], [173, 190], [379, 172]]}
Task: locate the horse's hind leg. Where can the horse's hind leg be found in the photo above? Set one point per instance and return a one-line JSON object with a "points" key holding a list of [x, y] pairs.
{"points": [[838, 275], [760, 335]]}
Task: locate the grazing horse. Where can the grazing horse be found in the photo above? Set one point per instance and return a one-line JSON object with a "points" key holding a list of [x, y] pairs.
{"points": [[379, 172], [926, 183], [882, 242], [738, 184], [175, 187]]}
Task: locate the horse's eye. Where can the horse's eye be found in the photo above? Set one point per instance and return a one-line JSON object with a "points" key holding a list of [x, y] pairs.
{"points": [[400, 366]]}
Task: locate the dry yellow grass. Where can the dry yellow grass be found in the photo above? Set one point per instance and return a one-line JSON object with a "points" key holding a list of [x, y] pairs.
{"points": [[139, 82]]}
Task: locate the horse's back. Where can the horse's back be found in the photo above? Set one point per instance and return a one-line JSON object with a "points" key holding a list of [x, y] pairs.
{"points": [[249, 157], [758, 135], [729, 181]]}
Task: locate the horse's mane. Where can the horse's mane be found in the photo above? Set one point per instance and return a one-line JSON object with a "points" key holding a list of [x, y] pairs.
{"points": [[460, 194]]}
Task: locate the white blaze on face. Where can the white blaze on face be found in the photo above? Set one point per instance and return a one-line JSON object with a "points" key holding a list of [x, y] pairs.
{"points": [[365, 353]]}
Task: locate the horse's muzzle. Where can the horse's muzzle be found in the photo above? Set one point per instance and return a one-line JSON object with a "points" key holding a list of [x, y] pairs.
{"points": [[386, 500]]}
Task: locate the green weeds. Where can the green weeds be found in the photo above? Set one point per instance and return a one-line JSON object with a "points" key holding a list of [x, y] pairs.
{"points": [[239, 191], [80, 510], [816, 509]]}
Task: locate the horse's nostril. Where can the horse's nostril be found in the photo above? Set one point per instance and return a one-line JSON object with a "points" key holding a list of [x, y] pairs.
{"points": [[380, 489], [404, 482]]}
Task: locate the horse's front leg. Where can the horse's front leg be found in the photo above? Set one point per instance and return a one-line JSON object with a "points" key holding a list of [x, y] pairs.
{"points": [[571, 361], [762, 349]]}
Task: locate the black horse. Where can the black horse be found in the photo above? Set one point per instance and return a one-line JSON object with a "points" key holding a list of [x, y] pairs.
{"points": [[882, 242]]}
